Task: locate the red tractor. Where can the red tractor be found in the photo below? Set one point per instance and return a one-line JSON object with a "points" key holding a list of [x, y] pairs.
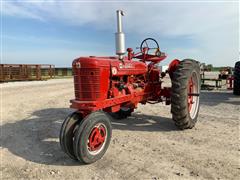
{"points": [[107, 87]]}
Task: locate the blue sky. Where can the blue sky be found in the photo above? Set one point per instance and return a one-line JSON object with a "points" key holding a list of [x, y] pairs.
{"points": [[56, 32]]}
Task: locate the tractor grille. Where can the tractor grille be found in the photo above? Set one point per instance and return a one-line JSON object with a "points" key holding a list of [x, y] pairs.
{"points": [[87, 84]]}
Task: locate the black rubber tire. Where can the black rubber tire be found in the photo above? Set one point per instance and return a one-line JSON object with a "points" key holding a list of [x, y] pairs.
{"points": [[179, 94], [67, 133], [81, 137], [122, 114], [236, 85]]}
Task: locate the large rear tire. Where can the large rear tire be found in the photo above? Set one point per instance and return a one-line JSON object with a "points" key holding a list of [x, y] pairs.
{"points": [[185, 94], [93, 137], [236, 87]]}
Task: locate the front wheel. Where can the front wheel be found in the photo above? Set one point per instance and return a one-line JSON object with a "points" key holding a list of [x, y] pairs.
{"points": [[185, 94], [92, 137], [67, 132]]}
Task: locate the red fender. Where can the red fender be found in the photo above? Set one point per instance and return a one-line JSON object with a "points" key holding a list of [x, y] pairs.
{"points": [[173, 66]]}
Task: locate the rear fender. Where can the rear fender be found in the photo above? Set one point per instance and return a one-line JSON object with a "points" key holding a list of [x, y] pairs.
{"points": [[172, 67]]}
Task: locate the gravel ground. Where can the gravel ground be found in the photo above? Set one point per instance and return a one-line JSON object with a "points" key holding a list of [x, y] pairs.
{"points": [[144, 146]]}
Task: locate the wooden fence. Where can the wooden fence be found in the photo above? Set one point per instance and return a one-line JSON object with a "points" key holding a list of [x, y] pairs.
{"points": [[23, 72]]}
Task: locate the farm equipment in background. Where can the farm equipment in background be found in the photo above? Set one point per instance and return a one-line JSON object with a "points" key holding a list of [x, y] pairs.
{"points": [[225, 73], [112, 87], [224, 79]]}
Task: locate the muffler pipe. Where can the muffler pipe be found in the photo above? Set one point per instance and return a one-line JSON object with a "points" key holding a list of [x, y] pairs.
{"points": [[119, 36]]}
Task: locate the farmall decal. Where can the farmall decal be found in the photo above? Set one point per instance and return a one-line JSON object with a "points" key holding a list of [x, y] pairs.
{"points": [[125, 66]]}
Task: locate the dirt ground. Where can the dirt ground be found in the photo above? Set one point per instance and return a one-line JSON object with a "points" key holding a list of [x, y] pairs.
{"points": [[144, 146]]}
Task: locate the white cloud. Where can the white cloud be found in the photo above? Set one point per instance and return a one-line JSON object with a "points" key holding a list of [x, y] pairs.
{"points": [[12, 9], [214, 27]]}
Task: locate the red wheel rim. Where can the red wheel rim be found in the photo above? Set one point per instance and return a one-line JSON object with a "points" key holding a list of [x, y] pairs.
{"points": [[190, 92], [193, 95], [97, 138]]}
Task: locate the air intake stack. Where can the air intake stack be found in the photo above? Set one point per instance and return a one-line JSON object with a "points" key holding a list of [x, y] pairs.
{"points": [[119, 36]]}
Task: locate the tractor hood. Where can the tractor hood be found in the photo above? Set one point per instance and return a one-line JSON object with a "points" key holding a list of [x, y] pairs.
{"points": [[118, 68]]}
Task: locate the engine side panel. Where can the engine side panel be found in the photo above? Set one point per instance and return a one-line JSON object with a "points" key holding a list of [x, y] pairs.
{"points": [[128, 68]]}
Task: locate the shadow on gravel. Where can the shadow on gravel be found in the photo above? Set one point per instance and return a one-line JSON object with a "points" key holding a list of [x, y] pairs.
{"points": [[142, 122], [213, 98], [36, 137]]}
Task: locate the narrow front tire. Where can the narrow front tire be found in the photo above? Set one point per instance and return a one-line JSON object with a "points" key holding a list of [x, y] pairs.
{"points": [[67, 133], [93, 137]]}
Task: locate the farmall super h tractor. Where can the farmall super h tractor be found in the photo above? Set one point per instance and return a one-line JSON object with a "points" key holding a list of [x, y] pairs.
{"points": [[112, 87]]}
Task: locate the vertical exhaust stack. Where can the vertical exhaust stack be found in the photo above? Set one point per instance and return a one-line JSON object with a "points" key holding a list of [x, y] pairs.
{"points": [[119, 36]]}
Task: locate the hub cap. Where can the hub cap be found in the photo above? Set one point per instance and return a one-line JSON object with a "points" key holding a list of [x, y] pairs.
{"points": [[97, 139]]}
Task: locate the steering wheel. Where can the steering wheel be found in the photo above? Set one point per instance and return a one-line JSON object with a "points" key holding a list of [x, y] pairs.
{"points": [[152, 42]]}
